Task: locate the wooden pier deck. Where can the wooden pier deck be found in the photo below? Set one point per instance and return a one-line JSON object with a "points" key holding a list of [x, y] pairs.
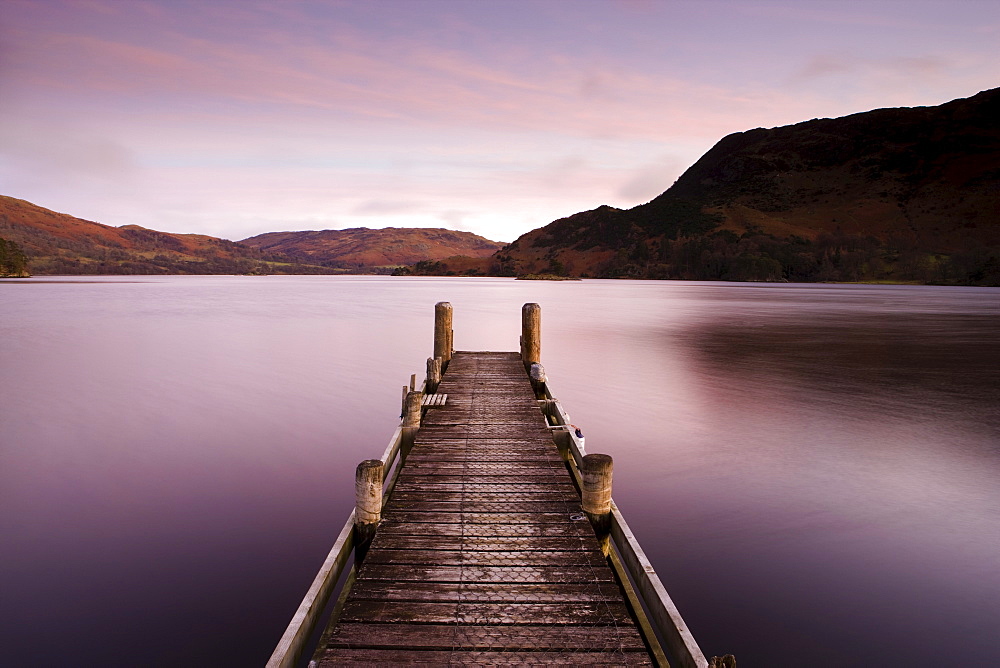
{"points": [[485, 535], [484, 554]]}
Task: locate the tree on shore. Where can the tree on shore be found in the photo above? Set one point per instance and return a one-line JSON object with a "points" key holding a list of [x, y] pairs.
{"points": [[13, 262]]}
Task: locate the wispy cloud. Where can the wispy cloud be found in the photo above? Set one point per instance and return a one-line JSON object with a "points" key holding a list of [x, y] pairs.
{"points": [[285, 115]]}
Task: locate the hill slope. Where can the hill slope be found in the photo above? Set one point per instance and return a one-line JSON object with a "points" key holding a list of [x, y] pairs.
{"points": [[362, 247], [57, 243], [909, 194]]}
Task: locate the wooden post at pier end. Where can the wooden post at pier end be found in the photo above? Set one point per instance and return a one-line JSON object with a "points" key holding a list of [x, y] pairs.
{"points": [[531, 334], [596, 492], [367, 504], [443, 334], [433, 374]]}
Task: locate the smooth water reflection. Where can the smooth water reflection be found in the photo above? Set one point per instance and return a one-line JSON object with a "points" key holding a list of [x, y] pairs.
{"points": [[812, 469]]}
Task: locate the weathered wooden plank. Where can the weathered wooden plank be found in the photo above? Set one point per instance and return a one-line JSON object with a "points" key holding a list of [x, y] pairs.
{"points": [[481, 506], [583, 613], [428, 573], [486, 558], [494, 442], [484, 637], [502, 416], [491, 430], [484, 469], [443, 484], [507, 592], [487, 495], [429, 484], [458, 458], [486, 449], [401, 657], [413, 478], [390, 541], [528, 461], [487, 530], [432, 517], [479, 433]]}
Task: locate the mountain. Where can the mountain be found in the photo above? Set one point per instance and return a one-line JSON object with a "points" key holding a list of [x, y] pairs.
{"points": [[361, 247], [57, 243], [906, 194]]}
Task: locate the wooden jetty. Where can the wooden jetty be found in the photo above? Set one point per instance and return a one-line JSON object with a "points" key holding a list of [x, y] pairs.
{"points": [[485, 536]]}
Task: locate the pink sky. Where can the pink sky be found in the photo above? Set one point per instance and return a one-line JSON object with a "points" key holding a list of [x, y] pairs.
{"points": [[236, 118]]}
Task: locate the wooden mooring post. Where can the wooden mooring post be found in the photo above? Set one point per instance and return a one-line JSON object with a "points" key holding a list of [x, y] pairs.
{"points": [[595, 489], [443, 332], [412, 411], [531, 334], [367, 504], [433, 374], [483, 552]]}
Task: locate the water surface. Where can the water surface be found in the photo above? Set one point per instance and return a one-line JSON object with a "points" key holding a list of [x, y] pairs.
{"points": [[812, 469]]}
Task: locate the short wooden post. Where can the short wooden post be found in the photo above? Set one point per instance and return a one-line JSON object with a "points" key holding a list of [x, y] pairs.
{"points": [[595, 473], [442, 332], [411, 419], [536, 372], [367, 504], [433, 373], [531, 334], [411, 416]]}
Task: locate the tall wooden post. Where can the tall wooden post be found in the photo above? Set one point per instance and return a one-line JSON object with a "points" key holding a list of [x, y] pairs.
{"points": [[367, 504], [531, 334], [596, 491], [442, 332]]}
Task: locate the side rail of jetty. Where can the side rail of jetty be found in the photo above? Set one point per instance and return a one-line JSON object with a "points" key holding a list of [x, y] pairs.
{"points": [[486, 534]]}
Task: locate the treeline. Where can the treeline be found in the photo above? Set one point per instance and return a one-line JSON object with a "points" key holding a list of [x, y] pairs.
{"points": [[13, 262], [133, 266], [754, 256]]}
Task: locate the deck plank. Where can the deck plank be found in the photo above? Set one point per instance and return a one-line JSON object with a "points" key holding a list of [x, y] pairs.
{"points": [[483, 637]]}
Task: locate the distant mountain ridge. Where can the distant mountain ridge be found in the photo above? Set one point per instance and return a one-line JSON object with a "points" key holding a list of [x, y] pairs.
{"points": [[363, 247], [58, 243], [908, 194]]}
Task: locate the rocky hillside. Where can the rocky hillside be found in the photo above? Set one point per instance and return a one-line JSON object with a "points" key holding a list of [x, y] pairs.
{"points": [[908, 194], [57, 243], [361, 247]]}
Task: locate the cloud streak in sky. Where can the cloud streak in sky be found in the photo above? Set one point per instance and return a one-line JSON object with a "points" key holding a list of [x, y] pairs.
{"points": [[277, 116]]}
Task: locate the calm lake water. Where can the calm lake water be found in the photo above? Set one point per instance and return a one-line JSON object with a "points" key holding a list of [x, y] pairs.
{"points": [[814, 470]]}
